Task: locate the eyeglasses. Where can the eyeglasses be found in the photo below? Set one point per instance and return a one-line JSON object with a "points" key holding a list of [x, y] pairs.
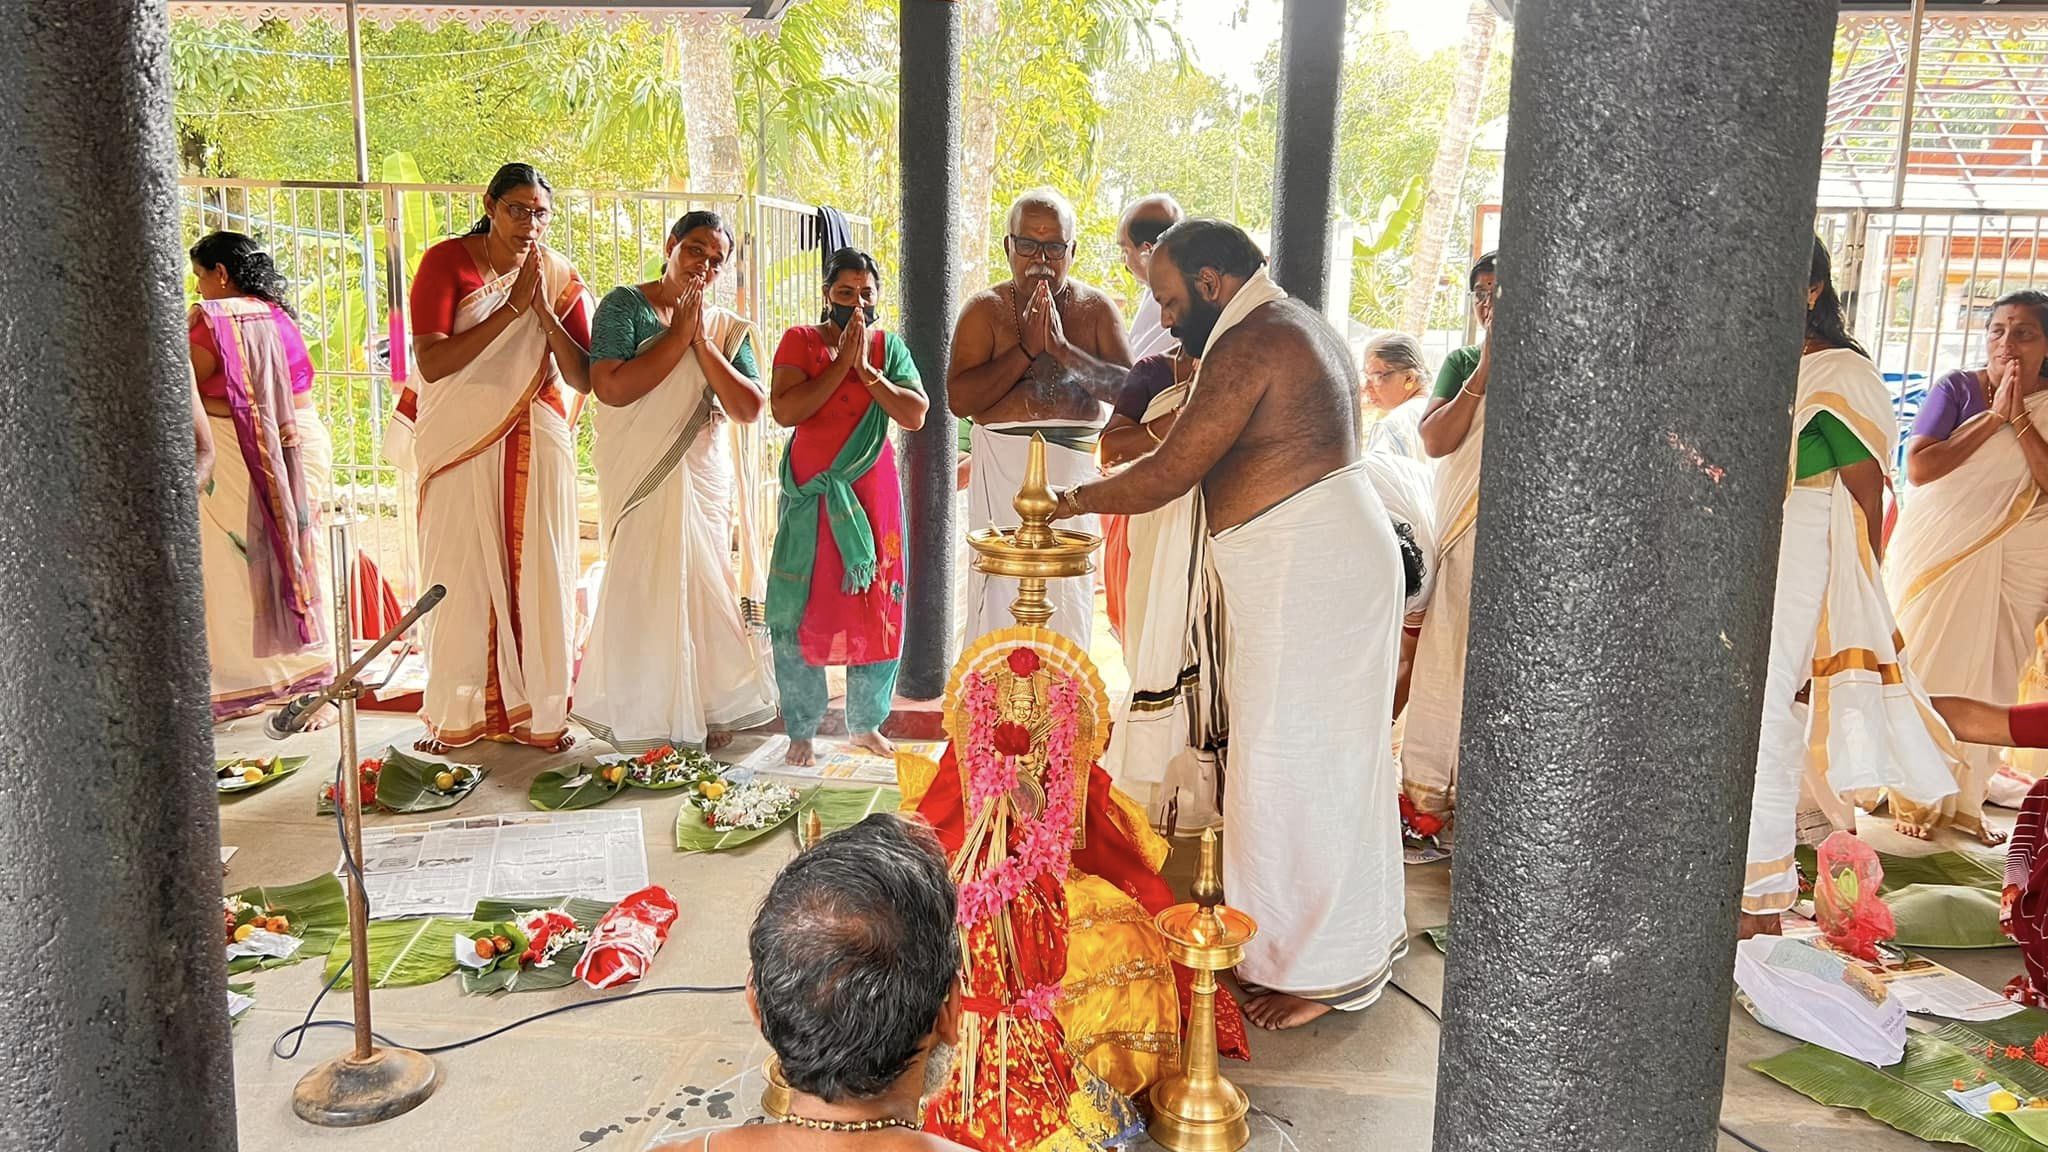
{"points": [[1376, 377], [1484, 295], [1049, 249], [527, 215]]}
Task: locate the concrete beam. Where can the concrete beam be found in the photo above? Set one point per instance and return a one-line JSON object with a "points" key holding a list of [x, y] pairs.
{"points": [[1661, 168], [1304, 170], [113, 1021], [928, 136]]}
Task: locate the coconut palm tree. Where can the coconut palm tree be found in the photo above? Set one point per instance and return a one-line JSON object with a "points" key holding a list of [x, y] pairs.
{"points": [[1447, 174]]}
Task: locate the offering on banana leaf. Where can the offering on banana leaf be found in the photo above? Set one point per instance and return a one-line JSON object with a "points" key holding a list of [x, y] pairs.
{"points": [[754, 804], [367, 772], [242, 918], [241, 773], [497, 946], [548, 935], [664, 768], [455, 778]]}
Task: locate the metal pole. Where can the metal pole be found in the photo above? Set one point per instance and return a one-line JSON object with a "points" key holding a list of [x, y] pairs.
{"points": [[341, 545], [928, 137], [355, 92], [1304, 171], [1909, 104], [1623, 578], [111, 965]]}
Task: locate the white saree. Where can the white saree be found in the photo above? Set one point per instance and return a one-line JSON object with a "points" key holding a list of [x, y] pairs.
{"points": [[1869, 726], [1968, 575], [497, 519], [1314, 846], [1436, 694], [671, 658]]}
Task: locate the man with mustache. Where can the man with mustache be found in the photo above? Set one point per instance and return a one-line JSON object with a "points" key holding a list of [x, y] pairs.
{"points": [[1313, 588], [1039, 353]]}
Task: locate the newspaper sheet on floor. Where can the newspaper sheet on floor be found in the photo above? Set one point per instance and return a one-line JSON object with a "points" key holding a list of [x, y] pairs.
{"points": [[444, 867], [1924, 987], [832, 760]]}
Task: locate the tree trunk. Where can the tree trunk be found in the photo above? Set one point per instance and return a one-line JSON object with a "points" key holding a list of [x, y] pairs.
{"points": [[1447, 174], [981, 21], [700, 62]]}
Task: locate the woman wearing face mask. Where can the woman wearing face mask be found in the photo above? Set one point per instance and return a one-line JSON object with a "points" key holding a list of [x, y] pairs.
{"points": [[671, 659], [1968, 570], [500, 325], [835, 592], [263, 547]]}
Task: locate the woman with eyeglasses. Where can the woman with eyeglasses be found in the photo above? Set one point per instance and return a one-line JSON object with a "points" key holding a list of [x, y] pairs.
{"points": [[1451, 432], [263, 547], [1968, 563], [672, 657], [1393, 387], [500, 324], [836, 585]]}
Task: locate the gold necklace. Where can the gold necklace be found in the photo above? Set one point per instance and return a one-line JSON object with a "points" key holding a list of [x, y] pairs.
{"points": [[875, 1125]]}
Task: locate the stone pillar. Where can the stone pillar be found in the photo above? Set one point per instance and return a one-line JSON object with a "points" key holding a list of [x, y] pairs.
{"points": [[1661, 170], [928, 136], [1311, 75], [112, 987]]}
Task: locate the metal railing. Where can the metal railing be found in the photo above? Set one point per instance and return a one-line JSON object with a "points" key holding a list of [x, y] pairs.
{"points": [[349, 251]]}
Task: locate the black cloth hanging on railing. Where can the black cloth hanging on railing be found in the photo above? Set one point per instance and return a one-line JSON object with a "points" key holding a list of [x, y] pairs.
{"points": [[831, 232]]}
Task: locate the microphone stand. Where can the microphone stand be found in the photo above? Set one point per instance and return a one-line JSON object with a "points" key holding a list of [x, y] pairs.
{"points": [[370, 1083]]}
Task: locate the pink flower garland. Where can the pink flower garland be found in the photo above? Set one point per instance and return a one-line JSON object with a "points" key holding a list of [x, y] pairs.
{"points": [[1046, 845]]}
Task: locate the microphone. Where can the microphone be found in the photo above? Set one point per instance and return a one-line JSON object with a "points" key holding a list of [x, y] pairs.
{"points": [[289, 719]]}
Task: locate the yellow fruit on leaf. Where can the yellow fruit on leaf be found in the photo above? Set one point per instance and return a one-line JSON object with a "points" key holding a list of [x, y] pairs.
{"points": [[484, 948], [277, 924], [2003, 1102], [445, 781], [711, 789], [251, 775], [244, 932]]}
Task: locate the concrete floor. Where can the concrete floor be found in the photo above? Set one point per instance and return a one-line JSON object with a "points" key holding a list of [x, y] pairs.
{"points": [[622, 1079]]}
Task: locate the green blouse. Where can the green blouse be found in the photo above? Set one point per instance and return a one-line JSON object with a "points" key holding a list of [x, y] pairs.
{"points": [[1826, 444], [625, 320]]}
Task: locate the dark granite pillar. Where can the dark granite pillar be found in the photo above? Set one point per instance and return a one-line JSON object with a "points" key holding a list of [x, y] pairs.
{"points": [[113, 1012], [1662, 162], [1311, 67], [928, 136]]}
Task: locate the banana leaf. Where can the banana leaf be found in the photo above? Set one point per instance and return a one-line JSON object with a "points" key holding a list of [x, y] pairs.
{"points": [[405, 953], [695, 834], [2021, 1028], [406, 785], [317, 909], [1946, 916], [1440, 936], [1984, 870], [561, 973], [1910, 1095], [280, 767], [555, 792], [841, 808]]}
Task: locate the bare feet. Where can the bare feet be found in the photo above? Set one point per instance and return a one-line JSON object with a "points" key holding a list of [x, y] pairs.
{"points": [[1277, 1011], [715, 740], [327, 715], [799, 753], [1751, 924], [430, 746], [874, 742], [563, 745], [1905, 827], [1989, 836]]}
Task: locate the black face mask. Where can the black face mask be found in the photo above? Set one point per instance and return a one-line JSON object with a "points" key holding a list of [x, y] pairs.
{"points": [[842, 314]]}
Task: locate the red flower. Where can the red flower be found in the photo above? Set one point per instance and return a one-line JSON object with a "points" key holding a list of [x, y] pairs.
{"points": [[1023, 661], [1013, 739], [656, 754], [2015, 1052], [2041, 1051], [1419, 822]]}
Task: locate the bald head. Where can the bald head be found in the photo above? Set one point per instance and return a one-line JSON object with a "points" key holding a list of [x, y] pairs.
{"points": [[1140, 228]]}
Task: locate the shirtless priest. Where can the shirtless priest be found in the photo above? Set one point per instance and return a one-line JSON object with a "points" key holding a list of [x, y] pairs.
{"points": [[1039, 353], [1313, 586]]}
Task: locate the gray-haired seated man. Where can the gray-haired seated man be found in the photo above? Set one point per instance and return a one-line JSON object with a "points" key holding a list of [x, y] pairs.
{"points": [[855, 985]]}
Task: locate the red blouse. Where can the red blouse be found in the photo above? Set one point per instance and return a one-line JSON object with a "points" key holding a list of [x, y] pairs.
{"points": [[447, 275]]}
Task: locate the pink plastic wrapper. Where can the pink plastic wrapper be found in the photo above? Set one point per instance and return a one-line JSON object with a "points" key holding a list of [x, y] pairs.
{"points": [[624, 944], [1846, 896]]}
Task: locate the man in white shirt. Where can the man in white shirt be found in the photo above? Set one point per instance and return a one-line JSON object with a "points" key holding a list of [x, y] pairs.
{"points": [[1139, 230]]}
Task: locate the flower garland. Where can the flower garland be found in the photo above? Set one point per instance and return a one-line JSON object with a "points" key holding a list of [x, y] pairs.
{"points": [[993, 747]]}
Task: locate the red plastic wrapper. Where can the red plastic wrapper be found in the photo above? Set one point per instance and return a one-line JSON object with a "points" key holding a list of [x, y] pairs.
{"points": [[1847, 896], [624, 944]]}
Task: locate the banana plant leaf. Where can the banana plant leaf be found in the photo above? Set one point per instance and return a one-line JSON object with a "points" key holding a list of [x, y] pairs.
{"points": [[317, 909], [560, 974], [1984, 870], [695, 834], [406, 785], [280, 767], [1910, 1095], [1946, 916], [1440, 936], [580, 786], [2021, 1028], [405, 953], [841, 808]]}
